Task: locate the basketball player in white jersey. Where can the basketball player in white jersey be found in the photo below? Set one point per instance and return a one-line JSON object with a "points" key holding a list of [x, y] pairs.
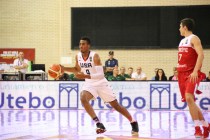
{"points": [[88, 66]]}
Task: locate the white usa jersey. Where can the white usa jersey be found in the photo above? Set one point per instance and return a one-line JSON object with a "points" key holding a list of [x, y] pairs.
{"points": [[87, 66]]}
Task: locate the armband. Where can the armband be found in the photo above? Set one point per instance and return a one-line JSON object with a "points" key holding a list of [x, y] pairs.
{"points": [[99, 73]]}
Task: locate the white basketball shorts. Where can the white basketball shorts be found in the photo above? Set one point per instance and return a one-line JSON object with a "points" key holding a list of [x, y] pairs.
{"points": [[103, 90]]}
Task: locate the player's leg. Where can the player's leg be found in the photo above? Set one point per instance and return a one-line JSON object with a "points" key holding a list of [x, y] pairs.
{"points": [[85, 97], [122, 110], [107, 95], [195, 111], [197, 116], [205, 124], [182, 88]]}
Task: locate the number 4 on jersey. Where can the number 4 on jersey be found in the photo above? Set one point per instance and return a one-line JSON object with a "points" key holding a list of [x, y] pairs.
{"points": [[87, 71]]}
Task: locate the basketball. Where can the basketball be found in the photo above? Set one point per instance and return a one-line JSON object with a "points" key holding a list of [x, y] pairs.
{"points": [[55, 71]]}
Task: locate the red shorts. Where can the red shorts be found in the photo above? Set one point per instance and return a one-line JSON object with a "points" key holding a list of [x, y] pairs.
{"points": [[185, 85]]}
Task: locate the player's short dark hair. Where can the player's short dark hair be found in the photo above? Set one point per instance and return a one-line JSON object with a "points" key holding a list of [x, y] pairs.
{"points": [[189, 23], [87, 39]]}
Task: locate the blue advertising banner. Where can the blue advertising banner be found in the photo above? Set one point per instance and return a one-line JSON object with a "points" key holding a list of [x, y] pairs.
{"points": [[65, 95]]}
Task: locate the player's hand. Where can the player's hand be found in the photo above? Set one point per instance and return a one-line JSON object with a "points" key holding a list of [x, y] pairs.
{"points": [[193, 77], [81, 75]]}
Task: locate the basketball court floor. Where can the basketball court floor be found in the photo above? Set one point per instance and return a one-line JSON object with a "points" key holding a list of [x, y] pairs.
{"points": [[77, 125]]}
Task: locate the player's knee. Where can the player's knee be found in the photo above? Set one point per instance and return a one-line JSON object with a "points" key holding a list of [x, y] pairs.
{"points": [[83, 98], [189, 99]]}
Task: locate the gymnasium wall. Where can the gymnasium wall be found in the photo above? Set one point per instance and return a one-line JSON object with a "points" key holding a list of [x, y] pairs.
{"points": [[46, 26]]}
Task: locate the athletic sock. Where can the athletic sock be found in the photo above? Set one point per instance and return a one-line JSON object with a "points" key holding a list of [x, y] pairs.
{"points": [[96, 120], [204, 123], [197, 123]]}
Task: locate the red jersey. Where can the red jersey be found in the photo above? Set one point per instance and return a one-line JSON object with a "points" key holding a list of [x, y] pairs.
{"points": [[187, 55]]}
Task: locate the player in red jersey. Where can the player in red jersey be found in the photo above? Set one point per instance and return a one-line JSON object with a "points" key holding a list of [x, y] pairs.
{"points": [[190, 58]]}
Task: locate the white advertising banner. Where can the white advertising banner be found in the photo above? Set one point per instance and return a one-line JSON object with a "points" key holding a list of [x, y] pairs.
{"points": [[65, 95]]}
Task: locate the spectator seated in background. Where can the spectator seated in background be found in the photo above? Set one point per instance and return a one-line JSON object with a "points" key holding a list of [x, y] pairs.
{"points": [[139, 75], [130, 71], [21, 64], [153, 78], [175, 77], [111, 63], [160, 75], [208, 78], [170, 78], [122, 73], [116, 76]]}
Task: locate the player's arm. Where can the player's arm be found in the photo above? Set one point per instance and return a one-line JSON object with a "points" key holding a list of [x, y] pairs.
{"points": [[99, 70], [74, 69], [199, 50]]}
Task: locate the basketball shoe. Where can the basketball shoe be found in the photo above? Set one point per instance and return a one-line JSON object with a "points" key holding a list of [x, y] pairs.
{"points": [[100, 128], [206, 131], [198, 132], [135, 128]]}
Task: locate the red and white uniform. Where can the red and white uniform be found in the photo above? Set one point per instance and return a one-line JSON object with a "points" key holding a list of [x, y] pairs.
{"points": [[97, 87], [187, 58], [187, 55]]}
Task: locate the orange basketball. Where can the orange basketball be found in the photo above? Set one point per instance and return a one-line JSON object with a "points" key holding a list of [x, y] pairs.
{"points": [[55, 71]]}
